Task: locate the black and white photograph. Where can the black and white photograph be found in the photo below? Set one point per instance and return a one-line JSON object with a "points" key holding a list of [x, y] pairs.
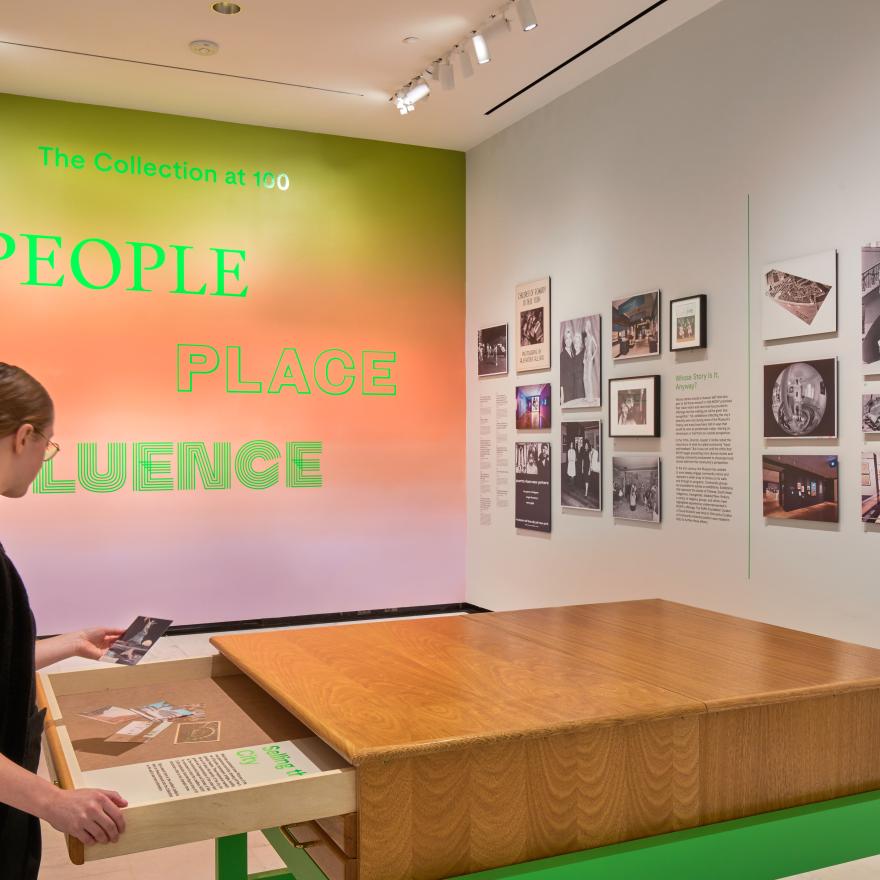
{"points": [[800, 399], [492, 351], [532, 467], [687, 323], [800, 297], [533, 407], [871, 306], [870, 487], [130, 648], [801, 487], [636, 487], [871, 413], [580, 362], [635, 326], [533, 326], [582, 465], [634, 407]]}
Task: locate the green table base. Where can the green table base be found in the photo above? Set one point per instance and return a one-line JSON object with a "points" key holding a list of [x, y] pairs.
{"points": [[764, 847]]}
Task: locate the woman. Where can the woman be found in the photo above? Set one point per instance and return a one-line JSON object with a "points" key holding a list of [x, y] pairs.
{"points": [[591, 367], [90, 815], [571, 473], [567, 365]]}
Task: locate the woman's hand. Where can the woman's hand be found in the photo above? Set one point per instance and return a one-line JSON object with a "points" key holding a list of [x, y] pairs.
{"points": [[89, 643], [90, 815], [93, 643]]}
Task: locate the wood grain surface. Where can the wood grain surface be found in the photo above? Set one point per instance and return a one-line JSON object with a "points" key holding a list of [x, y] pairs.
{"points": [[405, 687]]}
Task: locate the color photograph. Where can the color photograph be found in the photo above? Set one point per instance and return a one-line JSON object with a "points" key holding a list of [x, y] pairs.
{"points": [[634, 407], [492, 351], [687, 323], [532, 467], [870, 487], [636, 487], [801, 487], [800, 297], [533, 406], [580, 362], [635, 326], [533, 326], [871, 305], [582, 465], [800, 399]]}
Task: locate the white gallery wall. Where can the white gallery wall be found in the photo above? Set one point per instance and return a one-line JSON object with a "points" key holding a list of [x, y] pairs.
{"points": [[639, 179]]}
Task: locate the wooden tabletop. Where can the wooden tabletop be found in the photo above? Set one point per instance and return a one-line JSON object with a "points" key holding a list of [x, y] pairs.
{"points": [[413, 686]]}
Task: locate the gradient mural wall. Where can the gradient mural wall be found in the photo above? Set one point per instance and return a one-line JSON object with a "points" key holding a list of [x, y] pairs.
{"points": [[254, 339]]}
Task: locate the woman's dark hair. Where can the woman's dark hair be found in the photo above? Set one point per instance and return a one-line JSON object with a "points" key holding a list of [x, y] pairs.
{"points": [[23, 401]]}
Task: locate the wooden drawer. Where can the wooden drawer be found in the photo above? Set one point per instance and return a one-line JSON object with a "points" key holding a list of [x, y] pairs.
{"points": [[255, 767], [343, 831], [317, 844]]}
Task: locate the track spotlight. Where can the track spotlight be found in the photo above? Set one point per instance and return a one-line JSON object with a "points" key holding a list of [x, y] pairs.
{"points": [[419, 90], [527, 17], [481, 48], [464, 60], [447, 76]]}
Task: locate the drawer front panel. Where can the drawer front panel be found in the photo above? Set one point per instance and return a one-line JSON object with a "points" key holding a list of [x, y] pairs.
{"points": [[323, 852]]}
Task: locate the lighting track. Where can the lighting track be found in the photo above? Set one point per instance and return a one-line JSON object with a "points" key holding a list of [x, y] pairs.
{"points": [[575, 57], [272, 82]]}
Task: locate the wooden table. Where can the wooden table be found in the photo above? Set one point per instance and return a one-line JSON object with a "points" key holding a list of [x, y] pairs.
{"points": [[495, 739]]}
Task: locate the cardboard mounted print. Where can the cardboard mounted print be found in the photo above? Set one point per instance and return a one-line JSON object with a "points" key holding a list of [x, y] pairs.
{"points": [[580, 362], [801, 487], [800, 399], [636, 487], [800, 297], [582, 465], [492, 351], [871, 306], [533, 326], [635, 326]]}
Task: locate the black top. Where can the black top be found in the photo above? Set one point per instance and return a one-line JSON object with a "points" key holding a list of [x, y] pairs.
{"points": [[20, 724]]}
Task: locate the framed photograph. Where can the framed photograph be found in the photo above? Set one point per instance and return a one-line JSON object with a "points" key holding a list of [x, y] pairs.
{"points": [[800, 399], [871, 413], [533, 326], [634, 407], [582, 465], [635, 326], [532, 407], [800, 297], [636, 487], [801, 487], [871, 305], [687, 323], [870, 487], [532, 468], [580, 362], [492, 351]]}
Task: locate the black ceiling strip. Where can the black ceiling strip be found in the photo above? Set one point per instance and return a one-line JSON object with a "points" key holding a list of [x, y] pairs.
{"points": [[559, 67], [272, 82]]}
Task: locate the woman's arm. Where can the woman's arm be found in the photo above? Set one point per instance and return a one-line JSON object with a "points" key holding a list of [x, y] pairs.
{"points": [[89, 643], [90, 815]]}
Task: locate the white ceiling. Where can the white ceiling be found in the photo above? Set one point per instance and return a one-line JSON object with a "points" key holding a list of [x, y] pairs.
{"points": [[349, 46]]}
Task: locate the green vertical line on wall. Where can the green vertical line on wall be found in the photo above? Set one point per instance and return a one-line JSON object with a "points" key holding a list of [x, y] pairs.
{"points": [[749, 373]]}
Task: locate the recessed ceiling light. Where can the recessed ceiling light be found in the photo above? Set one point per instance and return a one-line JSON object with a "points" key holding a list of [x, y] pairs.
{"points": [[204, 47], [226, 8], [411, 39]]}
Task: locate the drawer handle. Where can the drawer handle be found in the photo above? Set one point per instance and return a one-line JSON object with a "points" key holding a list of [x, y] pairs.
{"points": [[299, 844]]}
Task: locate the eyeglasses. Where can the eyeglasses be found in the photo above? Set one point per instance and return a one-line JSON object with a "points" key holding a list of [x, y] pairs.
{"points": [[52, 448]]}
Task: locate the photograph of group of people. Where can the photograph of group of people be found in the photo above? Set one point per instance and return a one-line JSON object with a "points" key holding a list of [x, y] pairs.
{"points": [[582, 465], [580, 362], [492, 351], [637, 487]]}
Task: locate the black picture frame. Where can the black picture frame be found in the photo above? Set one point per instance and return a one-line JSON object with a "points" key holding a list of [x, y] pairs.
{"points": [[651, 426], [702, 323]]}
